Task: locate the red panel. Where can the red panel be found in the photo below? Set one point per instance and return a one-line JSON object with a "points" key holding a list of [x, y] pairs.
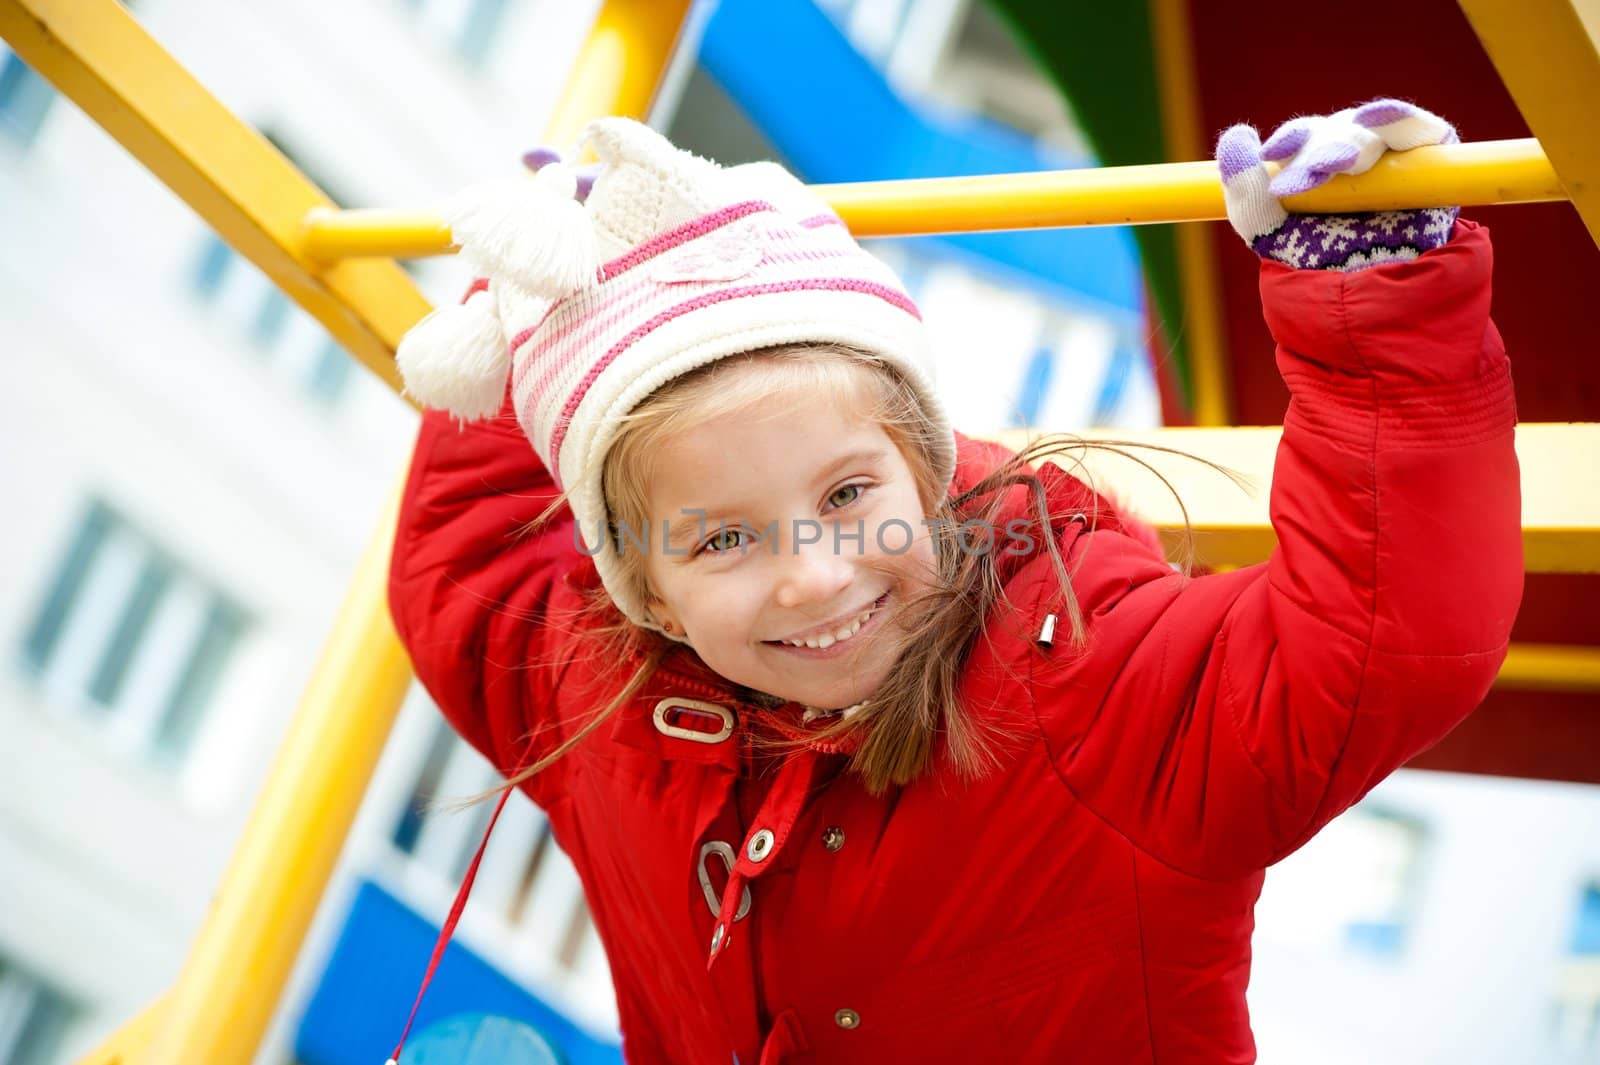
{"points": [[1543, 735], [1264, 63]]}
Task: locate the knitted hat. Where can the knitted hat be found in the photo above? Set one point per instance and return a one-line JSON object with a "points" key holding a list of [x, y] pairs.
{"points": [[670, 262]]}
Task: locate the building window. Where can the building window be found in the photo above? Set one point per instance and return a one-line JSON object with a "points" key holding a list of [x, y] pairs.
{"points": [[286, 337], [1383, 900], [527, 891], [438, 836], [1578, 981], [1352, 890], [33, 1018], [132, 638], [25, 99], [471, 27], [329, 373]]}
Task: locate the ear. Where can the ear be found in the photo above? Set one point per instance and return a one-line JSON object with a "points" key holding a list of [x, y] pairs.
{"points": [[664, 616]]}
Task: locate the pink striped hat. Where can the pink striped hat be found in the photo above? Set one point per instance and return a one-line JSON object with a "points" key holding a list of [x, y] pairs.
{"points": [[670, 262]]}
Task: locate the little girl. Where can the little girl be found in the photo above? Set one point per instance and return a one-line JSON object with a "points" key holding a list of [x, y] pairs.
{"points": [[873, 743]]}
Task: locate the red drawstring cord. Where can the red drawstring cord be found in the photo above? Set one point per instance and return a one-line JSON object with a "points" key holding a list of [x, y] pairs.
{"points": [[450, 924]]}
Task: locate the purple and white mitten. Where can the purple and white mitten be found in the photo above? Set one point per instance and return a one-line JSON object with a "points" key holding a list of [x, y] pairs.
{"points": [[1312, 150], [536, 159]]}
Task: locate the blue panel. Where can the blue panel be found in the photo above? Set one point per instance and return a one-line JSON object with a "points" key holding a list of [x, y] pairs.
{"points": [[211, 266], [1036, 377], [1586, 929], [1375, 937], [477, 1039], [360, 1006], [25, 98], [833, 117], [1115, 383]]}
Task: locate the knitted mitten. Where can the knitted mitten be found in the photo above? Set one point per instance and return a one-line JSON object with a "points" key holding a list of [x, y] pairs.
{"points": [[536, 159], [1312, 150]]}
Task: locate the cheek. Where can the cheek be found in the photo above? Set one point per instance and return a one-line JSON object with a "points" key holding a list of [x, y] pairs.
{"points": [[895, 525], [917, 564], [906, 539], [720, 611]]}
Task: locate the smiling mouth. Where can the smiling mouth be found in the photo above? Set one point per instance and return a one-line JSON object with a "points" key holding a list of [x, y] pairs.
{"points": [[845, 632]]}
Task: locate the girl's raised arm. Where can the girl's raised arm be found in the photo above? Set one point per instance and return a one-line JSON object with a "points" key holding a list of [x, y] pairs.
{"points": [[481, 603], [1220, 722]]}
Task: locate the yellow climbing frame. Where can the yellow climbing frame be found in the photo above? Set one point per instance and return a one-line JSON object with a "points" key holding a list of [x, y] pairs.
{"points": [[338, 266]]}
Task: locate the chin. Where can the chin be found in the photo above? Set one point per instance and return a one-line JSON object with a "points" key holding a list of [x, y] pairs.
{"points": [[847, 687], [833, 696]]}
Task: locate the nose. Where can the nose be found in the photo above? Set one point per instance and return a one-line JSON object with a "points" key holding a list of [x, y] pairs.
{"points": [[813, 574]]}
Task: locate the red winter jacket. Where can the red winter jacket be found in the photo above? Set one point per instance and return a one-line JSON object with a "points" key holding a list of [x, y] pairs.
{"points": [[1091, 900]]}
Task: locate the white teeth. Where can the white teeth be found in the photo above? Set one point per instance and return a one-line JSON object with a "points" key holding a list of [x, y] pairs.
{"points": [[821, 642]]}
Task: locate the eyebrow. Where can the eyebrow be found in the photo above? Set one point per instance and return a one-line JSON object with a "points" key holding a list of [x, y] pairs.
{"points": [[709, 519], [864, 457]]}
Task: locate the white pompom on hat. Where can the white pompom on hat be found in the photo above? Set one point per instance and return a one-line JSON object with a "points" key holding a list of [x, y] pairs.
{"points": [[456, 358], [671, 262]]}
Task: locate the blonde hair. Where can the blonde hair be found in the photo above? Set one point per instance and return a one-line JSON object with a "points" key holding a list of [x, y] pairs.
{"points": [[900, 723]]}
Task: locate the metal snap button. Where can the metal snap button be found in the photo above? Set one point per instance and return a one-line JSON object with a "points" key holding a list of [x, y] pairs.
{"points": [[847, 1019], [833, 837], [760, 845]]}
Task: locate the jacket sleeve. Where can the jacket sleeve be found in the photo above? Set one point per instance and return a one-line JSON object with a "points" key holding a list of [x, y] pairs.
{"points": [[483, 605], [1219, 722]]}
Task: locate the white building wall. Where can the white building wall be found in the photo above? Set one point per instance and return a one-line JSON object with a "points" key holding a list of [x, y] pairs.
{"points": [[127, 387], [1497, 880]]}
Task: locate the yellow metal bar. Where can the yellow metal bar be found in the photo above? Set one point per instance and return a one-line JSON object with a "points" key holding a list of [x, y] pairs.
{"points": [[1548, 54], [1480, 173], [1197, 273], [1467, 174], [100, 58], [1560, 505], [620, 65], [1551, 667], [328, 234]]}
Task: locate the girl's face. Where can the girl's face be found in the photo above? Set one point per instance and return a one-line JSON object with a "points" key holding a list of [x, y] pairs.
{"points": [[797, 536]]}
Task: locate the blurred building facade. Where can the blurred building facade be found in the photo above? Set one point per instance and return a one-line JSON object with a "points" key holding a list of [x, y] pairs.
{"points": [[195, 469]]}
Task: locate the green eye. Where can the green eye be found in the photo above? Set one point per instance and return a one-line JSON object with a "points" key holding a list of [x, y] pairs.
{"points": [[724, 540], [850, 492]]}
